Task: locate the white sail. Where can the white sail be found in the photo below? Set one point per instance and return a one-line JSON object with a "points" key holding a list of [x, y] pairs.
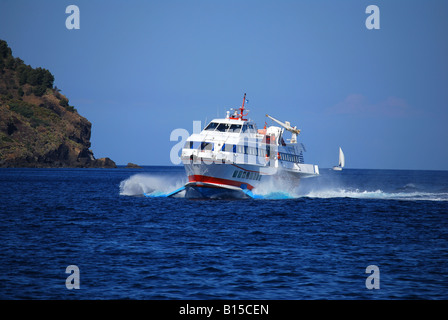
{"points": [[341, 158]]}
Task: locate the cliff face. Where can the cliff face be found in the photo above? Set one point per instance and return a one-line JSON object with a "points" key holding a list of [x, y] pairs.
{"points": [[38, 127]]}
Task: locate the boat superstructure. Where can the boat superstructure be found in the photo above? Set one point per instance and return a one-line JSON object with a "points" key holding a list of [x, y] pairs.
{"points": [[231, 156]]}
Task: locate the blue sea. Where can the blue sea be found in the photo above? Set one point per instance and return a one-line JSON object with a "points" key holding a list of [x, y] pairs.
{"points": [[315, 242]]}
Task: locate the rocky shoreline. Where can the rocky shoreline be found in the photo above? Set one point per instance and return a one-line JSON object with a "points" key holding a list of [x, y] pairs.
{"points": [[38, 126]]}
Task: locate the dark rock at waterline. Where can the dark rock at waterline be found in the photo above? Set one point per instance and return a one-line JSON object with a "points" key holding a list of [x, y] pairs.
{"points": [[131, 165]]}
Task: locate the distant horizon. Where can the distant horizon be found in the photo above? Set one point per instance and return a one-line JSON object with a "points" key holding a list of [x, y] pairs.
{"points": [[141, 69], [320, 168], [180, 166]]}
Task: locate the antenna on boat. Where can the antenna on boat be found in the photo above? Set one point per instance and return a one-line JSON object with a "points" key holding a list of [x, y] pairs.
{"points": [[241, 116], [242, 109]]}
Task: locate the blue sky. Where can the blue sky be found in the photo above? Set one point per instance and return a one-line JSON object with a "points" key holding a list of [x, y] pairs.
{"points": [[140, 69]]}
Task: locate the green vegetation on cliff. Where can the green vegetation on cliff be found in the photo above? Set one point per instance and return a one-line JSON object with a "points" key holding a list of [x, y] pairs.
{"points": [[38, 126]]}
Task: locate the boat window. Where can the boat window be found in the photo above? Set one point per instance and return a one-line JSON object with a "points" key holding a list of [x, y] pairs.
{"points": [[223, 127], [244, 128], [252, 151], [207, 146], [229, 148], [188, 145], [251, 128], [211, 126], [235, 128]]}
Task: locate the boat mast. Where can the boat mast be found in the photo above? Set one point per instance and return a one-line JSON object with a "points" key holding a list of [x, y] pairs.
{"points": [[244, 100], [241, 115]]}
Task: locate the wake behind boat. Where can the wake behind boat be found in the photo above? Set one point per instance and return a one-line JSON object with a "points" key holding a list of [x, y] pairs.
{"points": [[231, 157]]}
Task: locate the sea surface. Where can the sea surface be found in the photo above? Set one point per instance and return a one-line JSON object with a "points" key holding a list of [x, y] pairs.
{"points": [[313, 243]]}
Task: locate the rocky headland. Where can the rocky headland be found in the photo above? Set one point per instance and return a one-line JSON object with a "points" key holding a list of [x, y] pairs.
{"points": [[38, 126]]}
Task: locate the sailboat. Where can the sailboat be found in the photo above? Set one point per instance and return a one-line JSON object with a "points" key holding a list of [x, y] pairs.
{"points": [[341, 161]]}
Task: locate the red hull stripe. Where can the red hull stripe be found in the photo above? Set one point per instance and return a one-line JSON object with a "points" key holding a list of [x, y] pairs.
{"points": [[201, 178]]}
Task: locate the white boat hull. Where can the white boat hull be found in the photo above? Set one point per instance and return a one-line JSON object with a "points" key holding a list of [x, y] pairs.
{"points": [[211, 179]]}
